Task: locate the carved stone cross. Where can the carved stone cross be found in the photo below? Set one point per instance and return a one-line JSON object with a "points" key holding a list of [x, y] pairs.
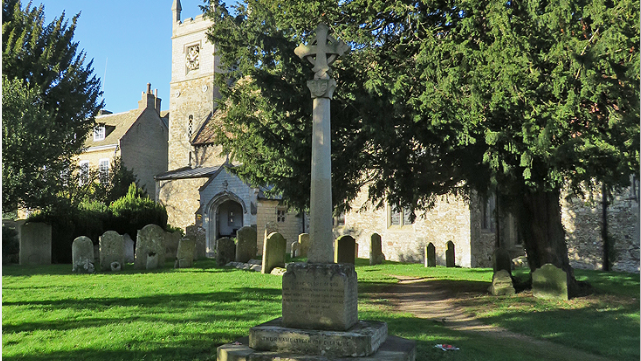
{"points": [[322, 52]]}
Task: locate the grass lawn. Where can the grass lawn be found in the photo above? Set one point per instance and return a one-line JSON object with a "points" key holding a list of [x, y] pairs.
{"points": [[48, 313]]}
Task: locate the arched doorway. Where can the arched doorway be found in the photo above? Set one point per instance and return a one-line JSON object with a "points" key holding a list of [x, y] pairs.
{"points": [[224, 217]]}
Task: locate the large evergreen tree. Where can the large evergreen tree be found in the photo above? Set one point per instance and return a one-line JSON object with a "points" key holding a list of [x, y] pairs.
{"points": [[524, 97], [50, 98]]}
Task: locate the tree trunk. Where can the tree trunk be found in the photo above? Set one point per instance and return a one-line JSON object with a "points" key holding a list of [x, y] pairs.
{"points": [[543, 234]]}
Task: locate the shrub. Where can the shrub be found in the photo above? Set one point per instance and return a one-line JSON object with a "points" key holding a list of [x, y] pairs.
{"points": [[136, 210], [10, 243]]}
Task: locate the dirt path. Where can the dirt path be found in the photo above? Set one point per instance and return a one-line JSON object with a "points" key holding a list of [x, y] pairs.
{"points": [[425, 299]]}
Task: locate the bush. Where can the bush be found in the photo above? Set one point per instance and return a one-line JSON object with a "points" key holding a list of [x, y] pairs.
{"points": [[10, 243], [136, 210]]}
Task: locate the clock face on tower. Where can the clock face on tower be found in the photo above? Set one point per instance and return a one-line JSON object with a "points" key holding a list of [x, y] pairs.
{"points": [[192, 57]]}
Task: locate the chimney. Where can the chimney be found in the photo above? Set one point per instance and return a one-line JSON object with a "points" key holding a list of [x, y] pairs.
{"points": [[150, 100]]}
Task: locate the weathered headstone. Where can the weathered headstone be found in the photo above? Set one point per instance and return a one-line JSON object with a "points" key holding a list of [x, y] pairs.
{"points": [[270, 227], [149, 241], [197, 233], [450, 255], [430, 255], [152, 260], [129, 248], [502, 284], [35, 243], [345, 250], [247, 244], [501, 260], [82, 255], [185, 253], [225, 251], [294, 249], [171, 245], [303, 244], [112, 249], [376, 250], [274, 251], [550, 282]]}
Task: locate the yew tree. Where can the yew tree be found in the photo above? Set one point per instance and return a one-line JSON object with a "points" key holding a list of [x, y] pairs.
{"points": [[527, 98]]}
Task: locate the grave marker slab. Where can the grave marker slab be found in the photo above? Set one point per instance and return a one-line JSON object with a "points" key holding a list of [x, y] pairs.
{"points": [[430, 255], [376, 255], [247, 244], [225, 251], [35, 243], [82, 255], [129, 248], [550, 282], [112, 249], [171, 245], [149, 241], [274, 251], [303, 244], [345, 250], [185, 253], [501, 260]]}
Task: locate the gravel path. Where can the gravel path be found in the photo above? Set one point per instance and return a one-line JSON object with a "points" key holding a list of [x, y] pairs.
{"points": [[424, 299]]}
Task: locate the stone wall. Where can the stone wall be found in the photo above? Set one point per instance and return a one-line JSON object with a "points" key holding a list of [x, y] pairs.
{"points": [[181, 198], [289, 229], [583, 222]]}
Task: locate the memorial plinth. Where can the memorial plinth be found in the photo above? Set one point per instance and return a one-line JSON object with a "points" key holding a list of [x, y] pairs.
{"points": [[320, 296]]}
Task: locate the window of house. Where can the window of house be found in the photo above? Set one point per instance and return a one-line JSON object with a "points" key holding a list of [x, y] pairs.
{"points": [[399, 217], [190, 127], [488, 210], [99, 132], [103, 167], [83, 177], [280, 214]]}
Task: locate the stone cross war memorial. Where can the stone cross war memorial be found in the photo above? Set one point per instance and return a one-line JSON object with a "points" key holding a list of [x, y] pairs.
{"points": [[320, 298]]}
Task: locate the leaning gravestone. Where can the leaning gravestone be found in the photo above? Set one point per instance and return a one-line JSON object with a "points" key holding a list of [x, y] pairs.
{"points": [[171, 245], [247, 243], [35, 244], [185, 253], [150, 242], [501, 284], [82, 255], [303, 244], [345, 251], [129, 248], [225, 251], [501, 260], [376, 250], [112, 249], [550, 282], [274, 252], [430, 255]]}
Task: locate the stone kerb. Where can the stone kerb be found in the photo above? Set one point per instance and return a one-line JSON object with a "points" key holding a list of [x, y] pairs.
{"points": [[225, 251], [82, 255], [35, 244], [149, 242], [376, 255], [185, 253], [171, 245], [303, 244], [501, 284], [345, 250], [320, 296], [247, 244], [112, 249], [550, 282], [274, 251]]}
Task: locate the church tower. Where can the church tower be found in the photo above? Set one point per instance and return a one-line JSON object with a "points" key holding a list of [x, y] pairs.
{"points": [[192, 92]]}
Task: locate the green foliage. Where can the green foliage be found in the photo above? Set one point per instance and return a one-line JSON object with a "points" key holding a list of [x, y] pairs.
{"points": [[10, 242], [116, 184], [136, 210], [50, 98]]}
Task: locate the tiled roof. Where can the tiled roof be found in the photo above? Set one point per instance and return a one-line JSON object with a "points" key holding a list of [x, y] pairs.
{"points": [[205, 134], [188, 172], [116, 126]]}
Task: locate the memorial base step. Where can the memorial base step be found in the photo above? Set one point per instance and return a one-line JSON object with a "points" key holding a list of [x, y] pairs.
{"points": [[393, 349]]}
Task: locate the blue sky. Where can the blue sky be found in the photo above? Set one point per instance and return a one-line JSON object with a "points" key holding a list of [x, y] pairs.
{"points": [[129, 42]]}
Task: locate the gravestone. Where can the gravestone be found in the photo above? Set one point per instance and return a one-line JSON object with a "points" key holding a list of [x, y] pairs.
{"points": [[502, 284], [550, 282], [225, 251], [501, 260], [152, 260], [430, 255], [450, 255], [185, 253], [82, 255], [129, 248], [345, 250], [376, 250], [294, 249], [197, 233], [35, 244], [171, 245], [149, 241], [303, 244], [355, 249], [270, 227], [247, 244], [274, 251], [112, 249]]}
